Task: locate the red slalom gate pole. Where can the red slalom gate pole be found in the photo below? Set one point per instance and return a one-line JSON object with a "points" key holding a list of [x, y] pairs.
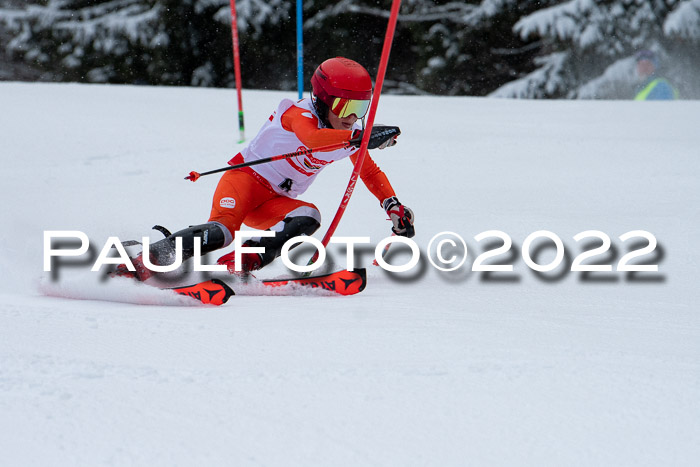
{"points": [[237, 69], [383, 61]]}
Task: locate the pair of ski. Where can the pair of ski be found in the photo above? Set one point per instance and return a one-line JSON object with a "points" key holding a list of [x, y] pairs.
{"points": [[217, 292]]}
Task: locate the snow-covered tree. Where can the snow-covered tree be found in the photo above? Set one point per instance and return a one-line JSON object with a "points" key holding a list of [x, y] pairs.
{"points": [[441, 47], [589, 47], [148, 41], [76, 36], [526, 48]]}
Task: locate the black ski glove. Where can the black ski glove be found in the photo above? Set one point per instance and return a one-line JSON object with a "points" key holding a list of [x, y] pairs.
{"points": [[382, 136], [401, 216]]}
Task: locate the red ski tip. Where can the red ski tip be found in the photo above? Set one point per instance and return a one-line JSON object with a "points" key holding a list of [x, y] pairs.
{"points": [[340, 282], [212, 292], [193, 176]]}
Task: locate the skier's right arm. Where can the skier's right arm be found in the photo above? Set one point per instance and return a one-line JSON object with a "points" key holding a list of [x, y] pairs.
{"points": [[305, 126]]}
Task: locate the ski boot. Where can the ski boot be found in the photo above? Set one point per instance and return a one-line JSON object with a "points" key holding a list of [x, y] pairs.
{"points": [[249, 262], [212, 235], [141, 273]]}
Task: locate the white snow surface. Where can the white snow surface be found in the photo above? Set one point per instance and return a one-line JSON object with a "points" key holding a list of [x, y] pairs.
{"points": [[422, 368]]}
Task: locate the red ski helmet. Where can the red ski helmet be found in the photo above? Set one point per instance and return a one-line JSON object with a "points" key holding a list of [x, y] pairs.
{"points": [[343, 85]]}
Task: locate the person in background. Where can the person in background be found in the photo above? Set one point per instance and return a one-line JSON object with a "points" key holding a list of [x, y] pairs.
{"points": [[653, 87]]}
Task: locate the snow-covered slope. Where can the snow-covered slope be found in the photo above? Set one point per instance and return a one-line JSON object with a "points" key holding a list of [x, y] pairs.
{"points": [[422, 368]]}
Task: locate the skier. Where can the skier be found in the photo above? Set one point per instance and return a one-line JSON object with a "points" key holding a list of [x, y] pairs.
{"points": [[264, 197]]}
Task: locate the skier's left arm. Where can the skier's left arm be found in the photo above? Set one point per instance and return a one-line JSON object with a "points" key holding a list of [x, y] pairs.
{"points": [[378, 184]]}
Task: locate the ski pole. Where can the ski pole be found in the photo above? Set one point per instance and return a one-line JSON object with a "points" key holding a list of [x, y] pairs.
{"points": [[384, 252], [194, 176]]}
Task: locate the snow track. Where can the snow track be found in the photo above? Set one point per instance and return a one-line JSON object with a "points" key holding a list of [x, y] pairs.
{"points": [[444, 369]]}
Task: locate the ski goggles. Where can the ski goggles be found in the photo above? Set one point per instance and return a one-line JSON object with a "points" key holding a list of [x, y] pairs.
{"points": [[343, 107]]}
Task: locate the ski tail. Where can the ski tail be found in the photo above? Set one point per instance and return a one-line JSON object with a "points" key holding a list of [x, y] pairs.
{"points": [[341, 282], [211, 292]]}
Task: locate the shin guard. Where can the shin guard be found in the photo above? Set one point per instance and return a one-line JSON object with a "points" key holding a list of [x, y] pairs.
{"points": [[212, 236], [290, 227]]}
